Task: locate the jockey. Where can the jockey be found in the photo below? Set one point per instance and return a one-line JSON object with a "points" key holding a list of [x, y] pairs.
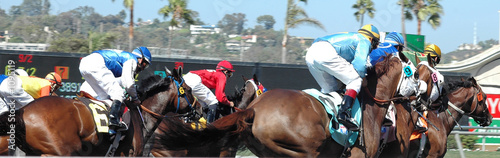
{"points": [[342, 57], [22, 90], [202, 81], [110, 73], [393, 44]]}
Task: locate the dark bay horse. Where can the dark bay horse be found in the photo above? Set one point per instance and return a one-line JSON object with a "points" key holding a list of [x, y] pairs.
{"points": [[241, 98], [55, 126], [292, 123], [463, 98]]}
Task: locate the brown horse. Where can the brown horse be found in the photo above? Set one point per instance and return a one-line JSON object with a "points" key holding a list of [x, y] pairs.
{"points": [[407, 116], [463, 98], [292, 123], [242, 98], [60, 126]]}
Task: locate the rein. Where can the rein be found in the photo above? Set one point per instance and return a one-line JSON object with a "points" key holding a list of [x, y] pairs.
{"points": [[382, 101], [180, 93]]}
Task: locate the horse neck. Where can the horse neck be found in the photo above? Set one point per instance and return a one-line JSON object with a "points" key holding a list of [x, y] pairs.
{"points": [[450, 114], [157, 104], [245, 96], [387, 84]]}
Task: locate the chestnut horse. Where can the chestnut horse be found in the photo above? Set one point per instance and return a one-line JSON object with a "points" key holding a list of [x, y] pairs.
{"points": [[407, 117], [463, 98], [242, 99], [292, 123], [62, 127]]}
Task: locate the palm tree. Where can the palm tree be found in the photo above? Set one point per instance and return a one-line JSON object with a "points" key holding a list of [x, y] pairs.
{"points": [[363, 6], [130, 4], [179, 12], [295, 15], [424, 10]]}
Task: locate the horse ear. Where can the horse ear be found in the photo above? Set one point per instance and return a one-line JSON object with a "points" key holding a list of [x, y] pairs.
{"points": [[473, 80], [255, 79], [175, 73], [179, 69], [416, 58], [429, 60], [244, 78], [167, 72]]}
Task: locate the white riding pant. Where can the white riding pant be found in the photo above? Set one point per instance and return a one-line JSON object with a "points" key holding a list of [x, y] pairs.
{"points": [[199, 90], [11, 89], [100, 78], [327, 68]]}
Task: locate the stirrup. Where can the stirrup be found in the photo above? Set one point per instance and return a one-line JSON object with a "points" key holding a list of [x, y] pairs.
{"points": [[387, 122], [121, 126]]}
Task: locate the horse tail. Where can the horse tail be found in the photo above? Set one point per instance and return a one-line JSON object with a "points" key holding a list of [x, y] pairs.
{"points": [[4, 123], [8, 120], [177, 135]]}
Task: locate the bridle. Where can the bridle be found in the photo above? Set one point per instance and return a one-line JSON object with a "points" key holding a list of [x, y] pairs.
{"points": [[478, 97], [259, 89], [180, 94]]}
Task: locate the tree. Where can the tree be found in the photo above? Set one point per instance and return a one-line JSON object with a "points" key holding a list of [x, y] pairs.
{"points": [[232, 23], [130, 4], [424, 10], [267, 20], [363, 6], [295, 15], [179, 12]]}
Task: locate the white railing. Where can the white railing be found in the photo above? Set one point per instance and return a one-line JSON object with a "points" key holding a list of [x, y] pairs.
{"points": [[459, 142]]}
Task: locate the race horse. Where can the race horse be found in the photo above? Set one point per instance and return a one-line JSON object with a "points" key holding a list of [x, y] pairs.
{"points": [[462, 98], [251, 89], [55, 126], [292, 123], [406, 114]]}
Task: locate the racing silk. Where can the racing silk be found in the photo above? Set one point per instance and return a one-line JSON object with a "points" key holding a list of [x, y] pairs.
{"points": [[351, 46], [377, 54], [214, 80], [114, 59], [36, 87], [3, 77]]}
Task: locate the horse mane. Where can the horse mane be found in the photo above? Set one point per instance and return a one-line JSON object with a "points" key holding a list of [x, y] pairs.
{"points": [[152, 85], [454, 85], [381, 67]]}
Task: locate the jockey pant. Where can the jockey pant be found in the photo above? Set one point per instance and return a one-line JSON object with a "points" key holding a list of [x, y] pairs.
{"points": [[199, 90], [11, 89], [100, 78], [328, 68]]}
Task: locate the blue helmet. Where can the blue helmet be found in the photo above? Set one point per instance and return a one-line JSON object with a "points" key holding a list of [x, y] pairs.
{"points": [[143, 53], [395, 39]]}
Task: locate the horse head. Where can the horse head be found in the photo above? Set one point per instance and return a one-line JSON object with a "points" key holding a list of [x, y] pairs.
{"points": [[169, 94], [468, 98], [250, 90], [480, 113]]}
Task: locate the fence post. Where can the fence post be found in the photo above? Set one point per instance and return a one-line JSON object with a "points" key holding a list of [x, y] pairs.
{"points": [[459, 144], [484, 142]]}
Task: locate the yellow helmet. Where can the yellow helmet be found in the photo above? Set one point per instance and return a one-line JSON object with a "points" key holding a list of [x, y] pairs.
{"points": [[370, 32], [433, 50]]}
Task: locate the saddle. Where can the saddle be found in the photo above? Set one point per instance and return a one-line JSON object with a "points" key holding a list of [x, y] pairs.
{"points": [[331, 102], [100, 112]]}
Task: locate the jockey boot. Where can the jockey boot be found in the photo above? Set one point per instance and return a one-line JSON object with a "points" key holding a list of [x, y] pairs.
{"points": [[212, 112], [344, 115], [114, 116]]}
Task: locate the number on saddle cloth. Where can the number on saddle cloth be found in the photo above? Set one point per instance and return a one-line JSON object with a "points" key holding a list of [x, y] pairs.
{"points": [[331, 104], [99, 112]]}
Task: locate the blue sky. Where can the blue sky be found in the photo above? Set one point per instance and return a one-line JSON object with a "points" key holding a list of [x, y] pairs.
{"points": [[337, 16]]}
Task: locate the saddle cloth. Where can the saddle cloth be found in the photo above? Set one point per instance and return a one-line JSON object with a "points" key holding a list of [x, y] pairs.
{"points": [[331, 103], [99, 112]]}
